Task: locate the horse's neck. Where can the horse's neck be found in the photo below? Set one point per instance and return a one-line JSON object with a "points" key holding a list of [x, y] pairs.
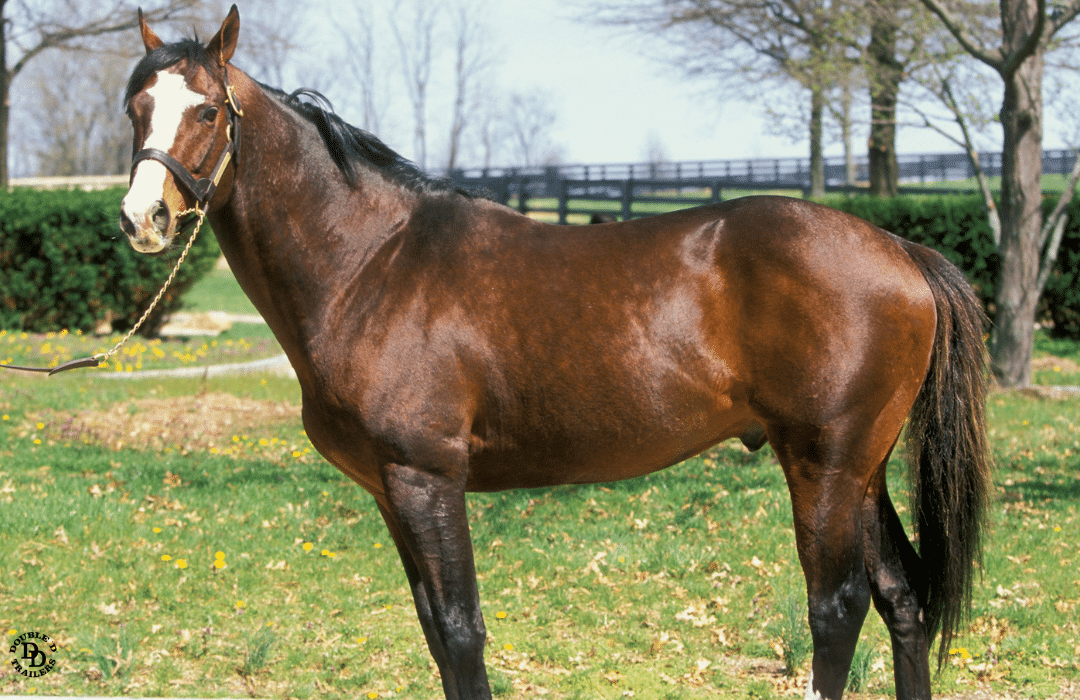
{"points": [[293, 231]]}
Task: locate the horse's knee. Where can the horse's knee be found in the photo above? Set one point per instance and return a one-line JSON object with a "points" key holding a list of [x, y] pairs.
{"points": [[838, 614], [901, 610]]}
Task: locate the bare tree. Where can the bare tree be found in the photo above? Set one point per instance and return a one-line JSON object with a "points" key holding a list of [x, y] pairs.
{"points": [[416, 52], [1028, 244], [471, 61], [804, 42], [77, 124], [32, 28], [529, 119]]}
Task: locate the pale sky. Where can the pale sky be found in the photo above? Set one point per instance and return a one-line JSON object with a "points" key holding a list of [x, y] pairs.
{"points": [[611, 98]]}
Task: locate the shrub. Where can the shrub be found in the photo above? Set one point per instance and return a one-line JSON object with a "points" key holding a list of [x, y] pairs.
{"points": [[957, 227], [64, 264]]}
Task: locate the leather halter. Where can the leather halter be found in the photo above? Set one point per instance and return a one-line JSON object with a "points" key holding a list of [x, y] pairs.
{"points": [[203, 189]]}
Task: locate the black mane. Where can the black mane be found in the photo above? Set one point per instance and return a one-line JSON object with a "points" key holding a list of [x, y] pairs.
{"points": [[346, 144]]}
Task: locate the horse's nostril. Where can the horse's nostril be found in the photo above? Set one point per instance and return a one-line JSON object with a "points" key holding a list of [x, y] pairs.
{"points": [[160, 215], [126, 224]]}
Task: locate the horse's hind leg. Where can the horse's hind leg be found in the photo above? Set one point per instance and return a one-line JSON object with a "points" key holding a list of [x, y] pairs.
{"points": [[893, 567], [827, 506], [426, 516]]}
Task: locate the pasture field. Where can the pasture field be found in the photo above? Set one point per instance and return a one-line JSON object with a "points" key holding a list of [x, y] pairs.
{"points": [[181, 538]]}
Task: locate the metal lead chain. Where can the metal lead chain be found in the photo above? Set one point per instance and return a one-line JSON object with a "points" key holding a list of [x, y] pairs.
{"points": [[103, 356]]}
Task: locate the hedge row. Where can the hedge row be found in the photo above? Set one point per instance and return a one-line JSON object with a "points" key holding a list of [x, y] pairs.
{"points": [[64, 264], [957, 227]]}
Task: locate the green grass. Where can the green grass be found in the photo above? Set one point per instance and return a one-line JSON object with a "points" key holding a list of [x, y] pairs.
{"points": [[218, 291], [677, 585]]}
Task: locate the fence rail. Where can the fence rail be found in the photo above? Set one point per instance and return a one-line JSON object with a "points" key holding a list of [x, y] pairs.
{"points": [[629, 190]]}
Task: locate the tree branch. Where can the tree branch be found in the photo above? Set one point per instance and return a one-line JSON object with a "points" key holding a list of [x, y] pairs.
{"points": [[995, 59]]}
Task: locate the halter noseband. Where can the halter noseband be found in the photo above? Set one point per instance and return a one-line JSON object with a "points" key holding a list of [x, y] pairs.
{"points": [[203, 189]]}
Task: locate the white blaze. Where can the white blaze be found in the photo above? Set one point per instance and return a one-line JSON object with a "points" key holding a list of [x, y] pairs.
{"points": [[171, 98]]}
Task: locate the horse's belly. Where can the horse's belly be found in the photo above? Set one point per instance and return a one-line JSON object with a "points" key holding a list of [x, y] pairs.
{"points": [[586, 458]]}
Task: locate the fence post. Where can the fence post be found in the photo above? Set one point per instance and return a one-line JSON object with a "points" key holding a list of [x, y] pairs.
{"points": [[564, 200], [715, 193], [523, 199], [627, 199]]}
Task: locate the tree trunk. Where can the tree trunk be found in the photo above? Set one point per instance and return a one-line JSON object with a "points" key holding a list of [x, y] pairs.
{"points": [[1021, 213], [5, 100], [885, 76], [817, 157]]}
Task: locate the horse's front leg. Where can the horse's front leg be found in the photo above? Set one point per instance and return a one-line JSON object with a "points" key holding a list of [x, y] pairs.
{"points": [[425, 513]]}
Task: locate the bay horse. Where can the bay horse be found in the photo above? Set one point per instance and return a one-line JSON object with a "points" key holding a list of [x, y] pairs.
{"points": [[446, 344]]}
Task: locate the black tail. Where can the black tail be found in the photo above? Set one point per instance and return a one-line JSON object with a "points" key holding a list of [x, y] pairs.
{"points": [[948, 449]]}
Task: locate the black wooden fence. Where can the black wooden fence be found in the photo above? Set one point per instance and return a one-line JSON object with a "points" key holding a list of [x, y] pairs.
{"points": [[637, 189]]}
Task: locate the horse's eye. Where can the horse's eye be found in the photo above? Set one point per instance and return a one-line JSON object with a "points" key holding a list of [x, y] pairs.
{"points": [[209, 114]]}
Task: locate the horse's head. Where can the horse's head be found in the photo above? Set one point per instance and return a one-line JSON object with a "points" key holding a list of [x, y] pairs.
{"points": [[186, 124]]}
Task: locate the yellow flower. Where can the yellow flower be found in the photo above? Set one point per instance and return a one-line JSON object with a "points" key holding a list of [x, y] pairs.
{"points": [[508, 646], [219, 564], [361, 640], [378, 546], [240, 604], [501, 614], [157, 530], [181, 564], [308, 546], [373, 695], [220, 556], [40, 426], [166, 557]]}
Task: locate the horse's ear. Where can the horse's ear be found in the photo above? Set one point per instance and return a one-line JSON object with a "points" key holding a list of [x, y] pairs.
{"points": [[149, 39], [223, 44]]}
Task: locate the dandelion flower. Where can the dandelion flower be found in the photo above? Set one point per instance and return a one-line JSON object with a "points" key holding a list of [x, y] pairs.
{"points": [[508, 646], [219, 564], [373, 695], [361, 640], [501, 614], [308, 546], [157, 530], [181, 564], [220, 556], [40, 426], [166, 557], [240, 604], [378, 545]]}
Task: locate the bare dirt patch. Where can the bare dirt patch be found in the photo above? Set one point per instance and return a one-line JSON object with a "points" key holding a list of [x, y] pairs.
{"points": [[213, 422]]}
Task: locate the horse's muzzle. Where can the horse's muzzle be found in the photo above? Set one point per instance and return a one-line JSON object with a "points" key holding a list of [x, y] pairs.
{"points": [[148, 232]]}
